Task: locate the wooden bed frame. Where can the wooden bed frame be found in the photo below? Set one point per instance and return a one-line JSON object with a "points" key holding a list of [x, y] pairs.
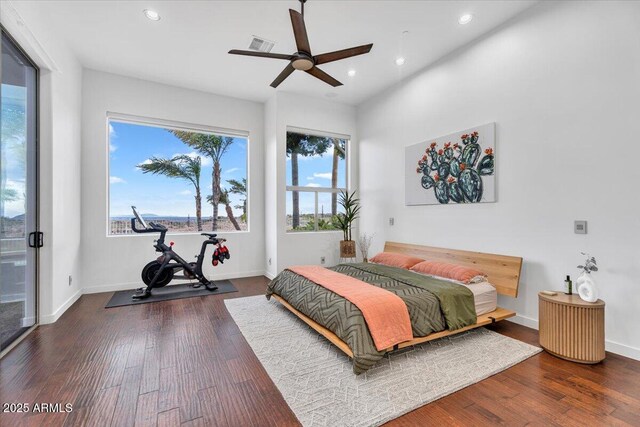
{"points": [[502, 271]]}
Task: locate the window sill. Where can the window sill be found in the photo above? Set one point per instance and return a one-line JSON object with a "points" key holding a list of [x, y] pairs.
{"points": [[195, 233]]}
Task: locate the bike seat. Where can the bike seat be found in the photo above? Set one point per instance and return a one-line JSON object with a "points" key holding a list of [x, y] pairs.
{"points": [[208, 234]]}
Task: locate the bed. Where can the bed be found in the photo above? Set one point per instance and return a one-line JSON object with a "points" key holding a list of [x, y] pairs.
{"points": [[436, 309]]}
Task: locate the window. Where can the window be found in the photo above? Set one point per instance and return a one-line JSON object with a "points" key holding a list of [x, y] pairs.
{"points": [[18, 191], [187, 178], [316, 173]]}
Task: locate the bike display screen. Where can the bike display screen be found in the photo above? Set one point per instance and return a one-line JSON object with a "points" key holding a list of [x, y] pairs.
{"points": [[139, 218]]}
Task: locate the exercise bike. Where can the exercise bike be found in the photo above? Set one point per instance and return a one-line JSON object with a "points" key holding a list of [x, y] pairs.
{"points": [[160, 272]]}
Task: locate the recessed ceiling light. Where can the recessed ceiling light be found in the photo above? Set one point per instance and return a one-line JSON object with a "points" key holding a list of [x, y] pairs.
{"points": [[465, 19], [351, 73], [151, 14], [400, 61]]}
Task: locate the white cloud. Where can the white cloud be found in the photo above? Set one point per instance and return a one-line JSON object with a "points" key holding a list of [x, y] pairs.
{"points": [[186, 193], [146, 162], [310, 178], [112, 135], [323, 175], [313, 184], [204, 160], [230, 171], [116, 180]]}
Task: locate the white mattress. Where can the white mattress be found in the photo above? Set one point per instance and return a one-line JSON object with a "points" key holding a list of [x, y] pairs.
{"points": [[485, 297]]}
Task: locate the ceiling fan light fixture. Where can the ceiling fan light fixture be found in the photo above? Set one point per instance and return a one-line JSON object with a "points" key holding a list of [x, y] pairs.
{"points": [[151, 14], [465, 19], [400, 61]]}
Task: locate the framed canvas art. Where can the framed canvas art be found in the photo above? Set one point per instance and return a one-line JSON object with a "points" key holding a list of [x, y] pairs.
{"points": [[456, 168]]}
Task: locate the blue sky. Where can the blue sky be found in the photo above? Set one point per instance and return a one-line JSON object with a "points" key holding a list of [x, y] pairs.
{"points": [[315, 171], [132, 144]]}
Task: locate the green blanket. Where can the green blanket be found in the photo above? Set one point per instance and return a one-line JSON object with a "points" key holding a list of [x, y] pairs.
{"points": [[456, 302]]}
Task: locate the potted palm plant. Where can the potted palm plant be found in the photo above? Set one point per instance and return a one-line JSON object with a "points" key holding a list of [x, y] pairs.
{"points": [[344, 221]]}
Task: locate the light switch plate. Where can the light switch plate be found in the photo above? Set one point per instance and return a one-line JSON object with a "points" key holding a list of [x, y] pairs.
{"points": [[580, 227]]}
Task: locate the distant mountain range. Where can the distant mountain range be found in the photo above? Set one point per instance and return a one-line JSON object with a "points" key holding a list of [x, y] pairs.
{"points": [[162, 217]]}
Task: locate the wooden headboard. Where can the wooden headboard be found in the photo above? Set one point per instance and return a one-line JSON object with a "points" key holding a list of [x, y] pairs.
{"points": [[502, 271]]}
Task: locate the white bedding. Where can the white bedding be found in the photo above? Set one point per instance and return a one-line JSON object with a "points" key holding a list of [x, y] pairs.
{"points": [[485, 297]]}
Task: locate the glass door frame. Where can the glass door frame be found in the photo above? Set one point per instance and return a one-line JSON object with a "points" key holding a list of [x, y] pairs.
{"points": [[36, 185]]}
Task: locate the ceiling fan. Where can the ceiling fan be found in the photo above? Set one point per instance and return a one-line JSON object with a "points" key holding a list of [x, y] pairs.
{"points": [[302, 59]]}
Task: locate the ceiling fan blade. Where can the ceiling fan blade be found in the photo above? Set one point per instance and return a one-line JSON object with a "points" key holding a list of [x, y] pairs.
{"points": [[300, 31], [318, 73], [342, 54], [283, 75], [260, 54]]}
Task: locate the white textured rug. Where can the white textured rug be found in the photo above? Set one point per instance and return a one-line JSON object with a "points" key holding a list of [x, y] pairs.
{"points": [[317, 382]]}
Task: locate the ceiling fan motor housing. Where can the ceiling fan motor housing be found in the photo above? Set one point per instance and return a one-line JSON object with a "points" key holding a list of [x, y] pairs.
{"points": [[302, 62]]}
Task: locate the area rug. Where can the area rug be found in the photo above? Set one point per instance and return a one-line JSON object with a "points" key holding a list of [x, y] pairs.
{"points": [[184, 290], [317, 381]]}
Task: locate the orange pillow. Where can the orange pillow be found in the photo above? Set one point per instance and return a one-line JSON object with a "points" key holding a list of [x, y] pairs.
{"points": [[396, 260], [447, 271]]}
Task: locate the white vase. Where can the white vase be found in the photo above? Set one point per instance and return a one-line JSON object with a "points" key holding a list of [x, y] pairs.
{"points": [[586, 287]]}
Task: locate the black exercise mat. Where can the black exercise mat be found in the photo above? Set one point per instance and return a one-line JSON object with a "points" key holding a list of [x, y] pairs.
{"points": [[169, 292]]}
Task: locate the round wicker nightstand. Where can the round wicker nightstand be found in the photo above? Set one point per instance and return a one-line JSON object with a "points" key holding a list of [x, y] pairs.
{"points": [[571, 328]]}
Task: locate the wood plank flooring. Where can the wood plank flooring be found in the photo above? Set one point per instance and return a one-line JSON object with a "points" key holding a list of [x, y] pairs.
{"points": [[185, 362]]}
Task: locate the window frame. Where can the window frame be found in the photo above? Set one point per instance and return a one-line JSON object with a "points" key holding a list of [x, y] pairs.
{"points": [[317, 190], [175, 125]]}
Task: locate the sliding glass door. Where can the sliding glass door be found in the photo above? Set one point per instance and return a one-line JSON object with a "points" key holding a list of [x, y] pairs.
{"points": [[18, 189]]}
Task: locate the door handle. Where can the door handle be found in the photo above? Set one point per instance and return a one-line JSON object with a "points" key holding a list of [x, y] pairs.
{"points": [[36, 239]]}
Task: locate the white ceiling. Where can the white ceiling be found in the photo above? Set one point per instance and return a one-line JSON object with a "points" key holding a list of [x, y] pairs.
{"points": [[188, 46]]}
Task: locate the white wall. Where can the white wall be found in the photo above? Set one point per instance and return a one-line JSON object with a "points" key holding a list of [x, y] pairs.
{"points": [[561, 82], [111, 263], [314, 114], [270, 188], [60, 112]]}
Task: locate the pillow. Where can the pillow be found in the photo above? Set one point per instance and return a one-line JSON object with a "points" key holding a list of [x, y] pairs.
{"points": [[448, 271], [396, 260]]}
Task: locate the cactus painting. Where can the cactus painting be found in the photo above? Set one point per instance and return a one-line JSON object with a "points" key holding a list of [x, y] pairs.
{"points": [[456, 168]]}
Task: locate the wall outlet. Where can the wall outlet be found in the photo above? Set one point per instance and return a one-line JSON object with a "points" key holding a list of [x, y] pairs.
{"points": [[322, 260], [70, 280], [391, 221], [580, 227]]}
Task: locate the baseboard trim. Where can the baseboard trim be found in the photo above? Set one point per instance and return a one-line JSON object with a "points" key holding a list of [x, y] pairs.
{"points": [[610, 346], [51, 318], [133, 285]]}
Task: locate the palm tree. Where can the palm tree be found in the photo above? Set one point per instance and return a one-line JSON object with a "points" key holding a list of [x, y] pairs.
{"points": [[182, 167], [339, 152], [213, 146], [240, 187], [302, 145], [226, 201]]}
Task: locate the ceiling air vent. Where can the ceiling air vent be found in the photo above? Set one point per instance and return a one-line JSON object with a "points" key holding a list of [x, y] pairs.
{"points": [[261, 45]]}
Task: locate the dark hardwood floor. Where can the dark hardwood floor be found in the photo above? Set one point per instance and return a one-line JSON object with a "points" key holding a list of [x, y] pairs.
{"points": [[186, 362]]}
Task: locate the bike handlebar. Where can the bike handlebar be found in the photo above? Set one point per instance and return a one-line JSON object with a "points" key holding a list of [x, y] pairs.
{"points": [[155, 228]]}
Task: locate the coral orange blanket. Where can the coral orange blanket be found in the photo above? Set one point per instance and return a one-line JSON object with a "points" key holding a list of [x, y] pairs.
{"points": [[385, 313]]}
